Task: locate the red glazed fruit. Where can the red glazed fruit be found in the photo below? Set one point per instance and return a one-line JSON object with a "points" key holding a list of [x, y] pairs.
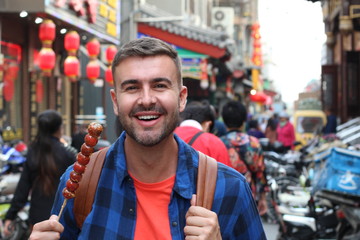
{"points": [[78, 168], [95, 129], [75, 177], [83, 160], [86, 150], [67, 194], [71, 186], [90, 140]]}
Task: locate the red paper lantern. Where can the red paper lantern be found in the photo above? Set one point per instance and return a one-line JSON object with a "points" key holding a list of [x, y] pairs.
{"points": [[72, 41], [93, 47], [110, 53], [11, 72], [257, 43], [71, 67], [8, 90], [93, 70], [47, 31], [259, 97], [46, 60], [109, 77]]}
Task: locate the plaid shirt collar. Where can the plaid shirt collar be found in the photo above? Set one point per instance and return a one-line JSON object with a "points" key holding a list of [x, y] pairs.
{"points": [[183, 184]]}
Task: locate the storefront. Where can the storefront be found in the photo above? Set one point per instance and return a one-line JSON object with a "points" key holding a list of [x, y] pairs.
{"points": [[199, 49], [25, 90]]}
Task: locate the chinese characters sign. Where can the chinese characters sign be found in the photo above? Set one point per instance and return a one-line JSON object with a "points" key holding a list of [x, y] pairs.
{"points": [[99, 17]]}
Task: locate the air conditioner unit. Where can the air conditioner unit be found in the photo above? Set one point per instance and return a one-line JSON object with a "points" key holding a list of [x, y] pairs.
{"points": [[222, 19]]}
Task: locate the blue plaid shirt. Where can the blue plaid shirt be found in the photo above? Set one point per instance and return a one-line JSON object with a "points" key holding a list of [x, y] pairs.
{"points": [[113, 215]]}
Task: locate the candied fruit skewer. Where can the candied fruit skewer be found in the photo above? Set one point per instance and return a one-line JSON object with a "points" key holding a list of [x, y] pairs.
{"points": [[83, 158]]}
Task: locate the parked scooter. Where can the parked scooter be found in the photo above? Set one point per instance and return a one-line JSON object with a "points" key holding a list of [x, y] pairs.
{"points": [[11, 160], [348, 213]]}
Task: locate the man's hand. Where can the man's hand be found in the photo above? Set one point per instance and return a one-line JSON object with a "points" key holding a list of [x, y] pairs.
{"points": [[47, 230], [201, 223]]}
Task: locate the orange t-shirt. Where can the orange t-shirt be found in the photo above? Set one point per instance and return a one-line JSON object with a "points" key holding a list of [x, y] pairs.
{"points": [[152, 209]]}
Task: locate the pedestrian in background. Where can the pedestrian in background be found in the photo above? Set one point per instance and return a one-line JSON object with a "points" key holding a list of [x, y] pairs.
{"points": [[47, 160], [77, 139], [219, 126], [245, 152], [195, 129], [331, 121], [254, 129], [270, 130], [285, 132]]}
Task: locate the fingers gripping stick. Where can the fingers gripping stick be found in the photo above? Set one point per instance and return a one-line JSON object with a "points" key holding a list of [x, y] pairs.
{"points": [[83, 158]]}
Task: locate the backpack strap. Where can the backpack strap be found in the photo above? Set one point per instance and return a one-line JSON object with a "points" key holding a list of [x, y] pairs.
{"points": [[87, 188], [206, 181], [192, 140]]}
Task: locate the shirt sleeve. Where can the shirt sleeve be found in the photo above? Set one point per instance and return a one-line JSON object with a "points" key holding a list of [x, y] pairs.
{"points": [[236, 208], [67, 219]]}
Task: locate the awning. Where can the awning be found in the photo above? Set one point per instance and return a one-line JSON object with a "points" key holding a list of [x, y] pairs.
{"points": [[196, 39]]}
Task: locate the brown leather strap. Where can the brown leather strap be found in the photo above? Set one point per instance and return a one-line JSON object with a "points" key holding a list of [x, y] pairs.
{"points": [[206, 182], [87, 187]]}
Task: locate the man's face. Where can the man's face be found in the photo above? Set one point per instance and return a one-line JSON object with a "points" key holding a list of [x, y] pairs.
{"points": [[148, 99]]}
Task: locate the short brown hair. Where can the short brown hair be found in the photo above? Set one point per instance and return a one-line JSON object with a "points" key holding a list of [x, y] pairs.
{"points": [[145, 47]]}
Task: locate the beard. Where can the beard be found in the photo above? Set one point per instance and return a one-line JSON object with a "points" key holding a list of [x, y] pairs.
{"points": [[150, 136]]}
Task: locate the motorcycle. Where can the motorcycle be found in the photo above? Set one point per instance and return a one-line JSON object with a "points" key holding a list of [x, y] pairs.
{"points": [[348, 213], [12, 157]]}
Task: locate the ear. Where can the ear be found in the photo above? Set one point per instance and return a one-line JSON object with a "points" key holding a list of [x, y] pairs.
{"points": [[206, 126], [114, 101], [183, 98]]}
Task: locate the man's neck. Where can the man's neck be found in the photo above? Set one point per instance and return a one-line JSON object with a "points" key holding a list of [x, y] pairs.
{"points": [[151, 164]]}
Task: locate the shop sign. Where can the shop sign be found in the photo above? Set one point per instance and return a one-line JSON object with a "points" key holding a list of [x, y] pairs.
{"points": [[99, 17]]}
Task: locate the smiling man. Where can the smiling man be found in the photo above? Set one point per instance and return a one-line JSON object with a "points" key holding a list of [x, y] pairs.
{"points": [[148, 181]]}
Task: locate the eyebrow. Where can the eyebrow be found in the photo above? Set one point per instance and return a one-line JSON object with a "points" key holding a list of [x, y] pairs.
{"points": [[155, 80]]}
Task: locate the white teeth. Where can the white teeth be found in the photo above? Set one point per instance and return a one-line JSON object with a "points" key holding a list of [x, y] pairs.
{"points": [[148, 117]]}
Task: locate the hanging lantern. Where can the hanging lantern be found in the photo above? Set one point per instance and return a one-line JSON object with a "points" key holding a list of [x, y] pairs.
{"points": [[71, 68], [257, 43], [93, 67], [109, 76], [257, 56], [110, 53], [259, 97], [72, 41], [93, 48], [47, 60], [47, 31], [47, 55], [71, 63], [8, 90], [93, 70]]}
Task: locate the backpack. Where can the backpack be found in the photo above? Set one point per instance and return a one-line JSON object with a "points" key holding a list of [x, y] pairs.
{"points": [[205, 187]]}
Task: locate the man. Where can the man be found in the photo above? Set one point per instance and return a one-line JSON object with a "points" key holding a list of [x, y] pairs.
{"points": [[331, 121], [285, 132], [146, 189], [197, 123], [245, 152]]}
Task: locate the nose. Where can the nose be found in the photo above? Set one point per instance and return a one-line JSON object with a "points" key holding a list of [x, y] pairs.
{"points": [[147, 98]]}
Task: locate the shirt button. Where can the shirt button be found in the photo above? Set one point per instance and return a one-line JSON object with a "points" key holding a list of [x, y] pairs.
{"points": [[131, 210], [174, 224]]}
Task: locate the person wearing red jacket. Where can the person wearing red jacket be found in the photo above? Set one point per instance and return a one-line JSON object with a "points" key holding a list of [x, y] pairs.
{"points": [[285, 132], [197, 122]]}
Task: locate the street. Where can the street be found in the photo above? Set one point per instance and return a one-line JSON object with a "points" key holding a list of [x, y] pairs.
{"points": [[271, 230]]}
